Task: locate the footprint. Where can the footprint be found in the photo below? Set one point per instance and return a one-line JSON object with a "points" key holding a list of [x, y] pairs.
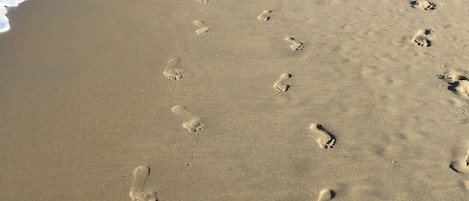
{"points": [[264, 16], [326, 194], [461, 165], [421, 39], [295, 45], [202, 28], [202, 1], [280, 86], [457, 83], [137, 191], [326, 140], [172, 73], [424, 5], [191, 122]]}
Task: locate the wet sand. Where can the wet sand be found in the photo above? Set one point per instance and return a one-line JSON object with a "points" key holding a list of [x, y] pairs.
{"points": [[313, 100]]}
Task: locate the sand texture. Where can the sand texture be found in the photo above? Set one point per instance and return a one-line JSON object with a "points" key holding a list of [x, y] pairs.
{"points": [[209, 100]]}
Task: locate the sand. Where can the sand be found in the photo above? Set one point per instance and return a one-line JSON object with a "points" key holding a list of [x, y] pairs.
{"points": [[187, 100]]}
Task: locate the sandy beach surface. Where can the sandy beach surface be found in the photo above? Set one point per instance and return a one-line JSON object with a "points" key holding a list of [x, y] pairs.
{"points": [[288, 100]]}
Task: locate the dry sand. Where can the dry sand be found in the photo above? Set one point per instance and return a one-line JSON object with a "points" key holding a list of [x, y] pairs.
{"points": [[88, 113]]}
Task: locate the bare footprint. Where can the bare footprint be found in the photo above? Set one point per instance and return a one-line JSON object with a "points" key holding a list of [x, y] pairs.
{"points": [[461, 165], [280, 86], [421, 39], [326, 139], [137, 191], [326, 194], [171, 72], [264, 16], [202, 29], [457, 83], [191, 122], [424, 5], [295, 45]]}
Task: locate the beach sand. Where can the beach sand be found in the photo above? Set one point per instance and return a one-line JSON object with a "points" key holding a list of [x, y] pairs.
{"points": [[235, 100]]}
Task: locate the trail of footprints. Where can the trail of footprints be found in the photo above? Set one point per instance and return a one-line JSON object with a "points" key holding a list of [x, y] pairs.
{"points": [[324, 139], [421, 38], [193, 124], [457, 82]]}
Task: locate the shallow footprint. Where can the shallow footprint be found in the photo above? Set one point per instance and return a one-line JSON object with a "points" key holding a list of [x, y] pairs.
{"points": [[202, 28], [421, 39], [191, 122], [326, 194], [202, 1], [137, 191], [326, 139], [424, 5], [295, 45], [171, 72], [264, 16], [280, 86]]}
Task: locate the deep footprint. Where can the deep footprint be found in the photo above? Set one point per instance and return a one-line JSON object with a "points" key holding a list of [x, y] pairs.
{"points": [[191, 122], [424, 5], [457, 83], [421, 39], [326, 139]]}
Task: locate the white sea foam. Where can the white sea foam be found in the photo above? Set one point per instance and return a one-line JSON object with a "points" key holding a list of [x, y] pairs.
{"points": [[4, 21], [3, 10], [11, 3]]}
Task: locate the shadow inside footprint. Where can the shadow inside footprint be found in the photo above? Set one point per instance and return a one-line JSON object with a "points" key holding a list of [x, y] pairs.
{"points": [[333, 194], [319, 126], [452, 86], [460, 167]]}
